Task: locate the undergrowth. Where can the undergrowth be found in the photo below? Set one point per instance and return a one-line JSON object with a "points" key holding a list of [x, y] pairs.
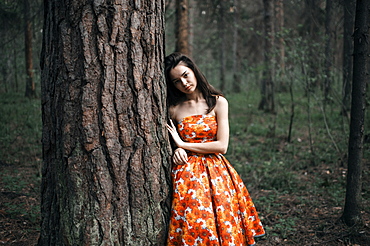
{"points": [[311, 168], [20, 158]]}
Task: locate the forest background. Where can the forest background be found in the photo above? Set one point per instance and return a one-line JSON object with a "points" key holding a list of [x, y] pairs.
{"points": [[292, 156]]}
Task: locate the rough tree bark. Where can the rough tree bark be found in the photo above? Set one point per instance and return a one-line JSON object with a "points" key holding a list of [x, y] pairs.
{"points": [[105, 170], [182, 30], [30, 83], [348, 24], [352, 207], [267, 102]]}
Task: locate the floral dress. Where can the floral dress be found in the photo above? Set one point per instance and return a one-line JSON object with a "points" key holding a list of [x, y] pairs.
{"points": [[211, 205]]}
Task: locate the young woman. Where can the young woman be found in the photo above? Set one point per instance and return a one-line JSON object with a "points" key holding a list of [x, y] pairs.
{"points": [[211, 205]]}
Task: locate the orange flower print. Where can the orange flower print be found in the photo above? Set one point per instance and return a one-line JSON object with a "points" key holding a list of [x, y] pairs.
{"points": [[211, 205]]}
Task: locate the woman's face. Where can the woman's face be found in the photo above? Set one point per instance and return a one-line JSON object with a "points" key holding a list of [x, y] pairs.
{"points": [[183, 79]]}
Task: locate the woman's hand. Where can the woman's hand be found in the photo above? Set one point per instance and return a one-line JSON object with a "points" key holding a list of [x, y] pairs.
{"points": [[172, 129], [180, 157]]}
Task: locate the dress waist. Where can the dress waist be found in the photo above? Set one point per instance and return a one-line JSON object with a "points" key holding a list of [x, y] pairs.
{"points": [[191, 153]]}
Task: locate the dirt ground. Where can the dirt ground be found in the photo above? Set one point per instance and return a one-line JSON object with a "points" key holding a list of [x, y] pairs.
{"points": [[19, 205], [316, 221]]}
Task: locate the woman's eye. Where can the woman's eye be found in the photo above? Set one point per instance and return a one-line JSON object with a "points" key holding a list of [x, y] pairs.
{"points": [[185, 75]]}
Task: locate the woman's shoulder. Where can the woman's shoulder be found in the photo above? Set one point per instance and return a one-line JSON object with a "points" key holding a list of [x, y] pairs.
{"points": [[221, 106], [171, 111], [221, 100]]}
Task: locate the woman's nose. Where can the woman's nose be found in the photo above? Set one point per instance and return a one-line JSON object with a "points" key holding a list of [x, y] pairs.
{"points": [[183, 81]]}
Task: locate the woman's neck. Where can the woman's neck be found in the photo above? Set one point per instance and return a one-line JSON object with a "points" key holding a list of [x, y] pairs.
{"points": [[195, 96]]}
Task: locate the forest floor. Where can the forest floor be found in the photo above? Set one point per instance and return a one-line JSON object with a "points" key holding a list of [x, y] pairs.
{"points": [[298, 206], [296, 219]]}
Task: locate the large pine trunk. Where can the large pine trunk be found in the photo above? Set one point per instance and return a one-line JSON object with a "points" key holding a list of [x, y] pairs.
{"points": [[352, 208], [105, 168]]}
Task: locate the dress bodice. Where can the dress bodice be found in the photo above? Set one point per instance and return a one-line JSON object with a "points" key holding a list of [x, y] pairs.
{"points": [[198, 128]]}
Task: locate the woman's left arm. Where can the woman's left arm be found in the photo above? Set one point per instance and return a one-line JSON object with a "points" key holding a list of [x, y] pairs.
{"points": [[222, 141]]}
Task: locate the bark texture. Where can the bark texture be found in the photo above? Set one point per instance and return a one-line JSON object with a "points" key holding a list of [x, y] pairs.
{"points": [[105, 168], [352, 208]]}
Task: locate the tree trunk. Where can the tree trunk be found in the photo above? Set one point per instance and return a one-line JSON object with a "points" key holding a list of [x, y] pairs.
{"points": [[236, 57], [192, 8], [30, 84], [182, 31], [352, 208], [328, 49], [312, 23], [267, 87], [105, 150], [15, 67], [222, 44], [348, 23], [280, 46]]}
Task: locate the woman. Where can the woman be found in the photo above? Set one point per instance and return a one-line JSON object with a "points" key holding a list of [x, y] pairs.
{"points": [[211, 205]]}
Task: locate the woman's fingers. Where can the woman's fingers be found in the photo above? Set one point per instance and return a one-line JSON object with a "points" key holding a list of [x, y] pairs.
{"points": [[180, 157], [172, 123], [171, 127]]}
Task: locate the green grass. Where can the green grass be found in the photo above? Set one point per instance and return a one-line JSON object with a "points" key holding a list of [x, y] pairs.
{"points": [[20, 129]]}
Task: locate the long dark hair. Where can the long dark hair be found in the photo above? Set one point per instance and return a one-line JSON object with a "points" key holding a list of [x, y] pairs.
{"points": [[175, 96]]}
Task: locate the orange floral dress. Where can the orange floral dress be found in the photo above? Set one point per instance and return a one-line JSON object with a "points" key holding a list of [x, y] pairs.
{"points": [[211, 205]]}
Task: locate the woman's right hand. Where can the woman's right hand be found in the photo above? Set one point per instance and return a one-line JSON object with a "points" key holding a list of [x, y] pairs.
{"points": [[180, 157]]}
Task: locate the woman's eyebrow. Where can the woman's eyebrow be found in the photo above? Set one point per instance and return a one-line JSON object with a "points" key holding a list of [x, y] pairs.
{"points": [[180, 76]]}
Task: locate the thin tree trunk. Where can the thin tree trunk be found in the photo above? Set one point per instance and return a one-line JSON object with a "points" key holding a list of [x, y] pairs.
{"points": [[280, 44], [192, 7], [236, 58], [313, 14], [348, 24], [267, 102], [30, 84], [105, 168], [4, 76], [328, 50], [352, 208], [15, 68], [182, 30], [292, 113], [222, 45]]}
